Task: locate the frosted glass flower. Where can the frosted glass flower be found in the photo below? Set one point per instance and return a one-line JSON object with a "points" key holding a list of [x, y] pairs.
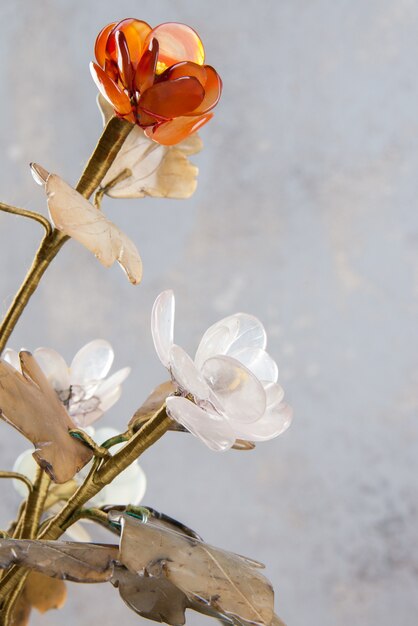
{"points": [[127, 488], [83, 387], [230, 390]]}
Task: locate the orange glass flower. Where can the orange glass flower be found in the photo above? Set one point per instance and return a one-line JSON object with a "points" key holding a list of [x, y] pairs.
{"points": [[156, 77]]}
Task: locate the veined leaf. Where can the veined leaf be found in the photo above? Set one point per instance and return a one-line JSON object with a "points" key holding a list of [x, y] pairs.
{"points": [[30, 404]]}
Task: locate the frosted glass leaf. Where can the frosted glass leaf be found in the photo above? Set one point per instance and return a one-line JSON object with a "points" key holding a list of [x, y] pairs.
{"points": [[92, 362], [209, 427], [146, 168], [31, 405], [236, 392], [76, 217], [238, 331], [186, 375], [215, 582], [54, 367], [258, 361], [162, 325], [274, 422]]}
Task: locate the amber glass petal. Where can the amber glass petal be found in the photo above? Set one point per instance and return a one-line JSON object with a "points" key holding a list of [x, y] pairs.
{"points": [[135, 32], [178, 42], [170, 133], [172, 97], [112, 70], [124, 60], [100, 46], [117, 98], [213, 90], [185, 68], [145, 72]]}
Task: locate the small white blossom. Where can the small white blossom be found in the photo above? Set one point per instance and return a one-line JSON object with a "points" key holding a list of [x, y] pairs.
{"points": [[82, 387], [230, 390]]}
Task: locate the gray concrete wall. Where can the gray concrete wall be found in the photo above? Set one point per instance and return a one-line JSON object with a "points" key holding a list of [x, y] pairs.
{"points": [[305, 215]]}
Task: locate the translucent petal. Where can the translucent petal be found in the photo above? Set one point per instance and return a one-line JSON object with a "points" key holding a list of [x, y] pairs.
{"points": [[186, 374], [136, 32], [54, 367], [178, 42], [209, 427], [100, 46], [172, 98], [110, 398], [258, 361], [235, 391], [114, 381], [109, 90], [145, 72], [213, 90], [171, 133], [185, 68], [242, 331], [162, 325], [126, 73], [25, 464], [92, 362], [274, 422], [12, 357]]}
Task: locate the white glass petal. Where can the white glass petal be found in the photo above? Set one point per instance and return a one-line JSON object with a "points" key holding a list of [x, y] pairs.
{"points": [[25, 464], [112, 382], [259, 362], [110, 398], [162, 325], [211, 428], [12, 357], [274, 422], [186, 374], [54, 367], [242, 331], [92, 362], [236, 392], [129, 487]]}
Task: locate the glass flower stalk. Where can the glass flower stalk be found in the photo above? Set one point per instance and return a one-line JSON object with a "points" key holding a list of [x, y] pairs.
{"points": [[156, 77]]}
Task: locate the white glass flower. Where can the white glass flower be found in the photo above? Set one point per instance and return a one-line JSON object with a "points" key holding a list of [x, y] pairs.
{"points": [[127, 488], [230, 390], [83, 387]]}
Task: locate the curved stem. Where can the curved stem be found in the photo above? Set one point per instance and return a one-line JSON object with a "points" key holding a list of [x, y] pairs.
{"points": [[17, 476], [32, 215]]}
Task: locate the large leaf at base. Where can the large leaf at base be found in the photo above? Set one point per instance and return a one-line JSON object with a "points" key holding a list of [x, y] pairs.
{"points": [[214, 581], [151, 168], [159, 572], [30, 404]]}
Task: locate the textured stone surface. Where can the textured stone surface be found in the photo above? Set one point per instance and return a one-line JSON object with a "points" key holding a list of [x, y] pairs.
{"points": [[305, 215]]}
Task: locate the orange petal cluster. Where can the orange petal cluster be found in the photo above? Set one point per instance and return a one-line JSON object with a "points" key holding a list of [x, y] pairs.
{"points": [[156, 77]]}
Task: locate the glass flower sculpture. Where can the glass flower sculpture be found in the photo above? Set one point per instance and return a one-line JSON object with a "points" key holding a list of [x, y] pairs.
{"points": [[155, 92], [230, 390], [156, 77]]}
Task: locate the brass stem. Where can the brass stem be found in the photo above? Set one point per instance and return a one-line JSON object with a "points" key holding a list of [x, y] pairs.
{"points": [[32, 215], [107, 148], [17, 476]]}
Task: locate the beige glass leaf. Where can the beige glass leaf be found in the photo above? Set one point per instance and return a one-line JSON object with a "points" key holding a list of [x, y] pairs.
{"points": [[152, 404], [146, 168], [277, 621], [78, 218], [44, 593], [214, 581], [30, 404]]}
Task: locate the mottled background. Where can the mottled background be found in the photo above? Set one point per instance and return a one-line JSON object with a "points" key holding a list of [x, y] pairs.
{"points": [[305, 215]]}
